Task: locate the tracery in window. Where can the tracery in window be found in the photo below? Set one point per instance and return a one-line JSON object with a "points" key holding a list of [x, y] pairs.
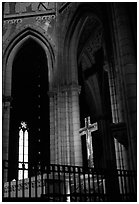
{"points": [[23, 151]]}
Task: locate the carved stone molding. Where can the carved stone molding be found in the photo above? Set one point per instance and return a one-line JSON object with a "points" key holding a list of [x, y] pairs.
{"points": [[19, 8], [45, 18], [92, 46], [6, 100], [95, 43], [13, 21], [33, 28], [69, 88]]}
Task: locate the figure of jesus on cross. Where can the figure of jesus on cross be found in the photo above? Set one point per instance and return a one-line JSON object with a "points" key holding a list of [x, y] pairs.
{"points": [[87, 131]]}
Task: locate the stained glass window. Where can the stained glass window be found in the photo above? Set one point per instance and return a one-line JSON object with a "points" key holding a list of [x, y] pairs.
{"points": [[23, 151]]}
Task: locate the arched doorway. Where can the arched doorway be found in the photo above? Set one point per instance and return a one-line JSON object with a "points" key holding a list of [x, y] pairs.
{"points": [[30, 104]]}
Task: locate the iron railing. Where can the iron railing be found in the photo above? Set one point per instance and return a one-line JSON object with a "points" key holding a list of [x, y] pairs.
{"points": [[69, 183]]}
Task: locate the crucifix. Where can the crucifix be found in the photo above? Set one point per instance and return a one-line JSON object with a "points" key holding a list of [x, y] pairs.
{"points": [[87, 132]]}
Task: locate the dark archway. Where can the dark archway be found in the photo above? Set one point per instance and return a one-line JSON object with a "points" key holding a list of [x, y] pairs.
{"points": [[30, 104], [94, 101]]}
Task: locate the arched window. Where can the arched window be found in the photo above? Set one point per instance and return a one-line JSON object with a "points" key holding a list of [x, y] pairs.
{"points": [[23, 151], [30, 103]]}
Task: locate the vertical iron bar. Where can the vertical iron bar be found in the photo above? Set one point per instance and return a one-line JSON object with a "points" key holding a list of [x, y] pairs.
{"points": [[125, 187], [97, 177], [79, 172], [74, 172], [9, 189], [131, 187], [94, 190], [70, 182], [123, 184], [89, 188], [16, 188], [53, 181], [129, 183], [29, 186], [23, 183], [60, 186], [35, 181], [102, 178], [48, 187], [121, 178], [84, 186], [65, 193], [132, 181], [42, 181]]}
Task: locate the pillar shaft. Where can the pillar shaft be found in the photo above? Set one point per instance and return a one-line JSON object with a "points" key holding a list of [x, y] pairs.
{"points": [[127, 63], [64, 126]]}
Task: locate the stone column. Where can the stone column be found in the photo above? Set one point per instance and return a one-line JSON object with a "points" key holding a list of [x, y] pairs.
{"points": [[128, 70], [109, 160], [6, 112], [5, 135], [117, 112], [116, 104], [52, 128], [65, 143], [76, 125]]}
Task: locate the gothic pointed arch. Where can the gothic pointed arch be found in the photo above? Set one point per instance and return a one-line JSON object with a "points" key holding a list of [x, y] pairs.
{"points": [[26, 30], [83, 30], [15, 41], [22, 56], [86, 55]]}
